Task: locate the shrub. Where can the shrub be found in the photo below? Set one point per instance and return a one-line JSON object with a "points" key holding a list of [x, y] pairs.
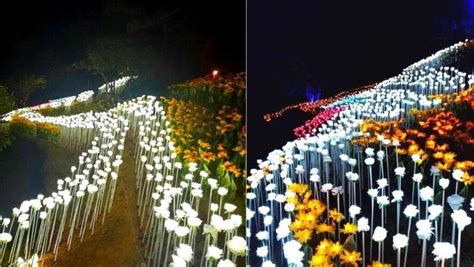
{"points": [[47, 131], [22, 128]]}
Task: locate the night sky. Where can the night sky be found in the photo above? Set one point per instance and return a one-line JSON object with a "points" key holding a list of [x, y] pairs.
{"points": [[335, 46], [47, 37]]}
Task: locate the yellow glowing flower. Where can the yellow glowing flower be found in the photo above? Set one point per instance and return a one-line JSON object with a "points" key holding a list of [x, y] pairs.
{"points": [[317, 207], [297, 225], [438, 155], [208, 156], [350, 258], [412, 149], [203, 144], [236, 117], [299, 189], [303, 236], [335, 250], [349, 229], [430, 144], [324, 246], [379, 264], [319, 260], [336, 215], [222, 154], [324, 228], [449, 157], [220, 147]]}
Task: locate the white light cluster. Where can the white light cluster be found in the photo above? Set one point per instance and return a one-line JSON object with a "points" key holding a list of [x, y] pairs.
{"points": [[116, 85]]}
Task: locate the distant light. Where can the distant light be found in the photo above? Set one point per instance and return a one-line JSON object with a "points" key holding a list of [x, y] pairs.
{"points": [[214, 73]]}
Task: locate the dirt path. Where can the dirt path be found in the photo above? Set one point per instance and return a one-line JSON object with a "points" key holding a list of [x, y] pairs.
{"points": [[116, 243]]}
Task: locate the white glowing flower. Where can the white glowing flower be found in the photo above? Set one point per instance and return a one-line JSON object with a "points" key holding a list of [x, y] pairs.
{"points": [[458, 174], [400, 171], [382, 183], [380, 154], [283, 229], [5, 222], [194, 221], [181, 231], [214, 207], [225, 263], [314, 178], [171, 225], [383, 201], [415, 157], [299, 169], [417, 177], [185, 252], [363, 224], [460, 218], [268, 264], [214, 252], [397, 195], [472, 203], [264, 210], [236, 220], [444, 183], [424, 229], [410, 210], [5, 237], [443, 250], [262, 251], [289, 207], [400, 241], [326, 187], [426, 193], [372, 192], [352, 162], [177, 261], [192, 166], [379, 234], [222, 191], [352, 176], [267, 220], [369, 151], [237, 245], [212, 183], [229, 208], [369, 161], [435, 211], [354, 210], [262, 235], [292, 253], [217, 221]]}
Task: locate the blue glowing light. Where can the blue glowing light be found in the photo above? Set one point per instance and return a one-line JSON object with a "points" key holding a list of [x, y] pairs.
{"points": [[312, 94]]}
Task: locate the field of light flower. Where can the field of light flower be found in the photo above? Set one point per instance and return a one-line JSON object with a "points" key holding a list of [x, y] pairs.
{"points": [[178, 196], [379, 176]]}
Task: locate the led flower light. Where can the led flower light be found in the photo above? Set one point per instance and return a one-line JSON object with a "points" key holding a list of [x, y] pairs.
{"points": [[292, 253], [237, 245], [379, 236], [461, 219], [443, 251], [400, 241]]}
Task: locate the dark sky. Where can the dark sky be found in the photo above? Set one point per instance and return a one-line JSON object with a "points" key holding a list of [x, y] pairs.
{"points": [[334, 45], [46, 37]]}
